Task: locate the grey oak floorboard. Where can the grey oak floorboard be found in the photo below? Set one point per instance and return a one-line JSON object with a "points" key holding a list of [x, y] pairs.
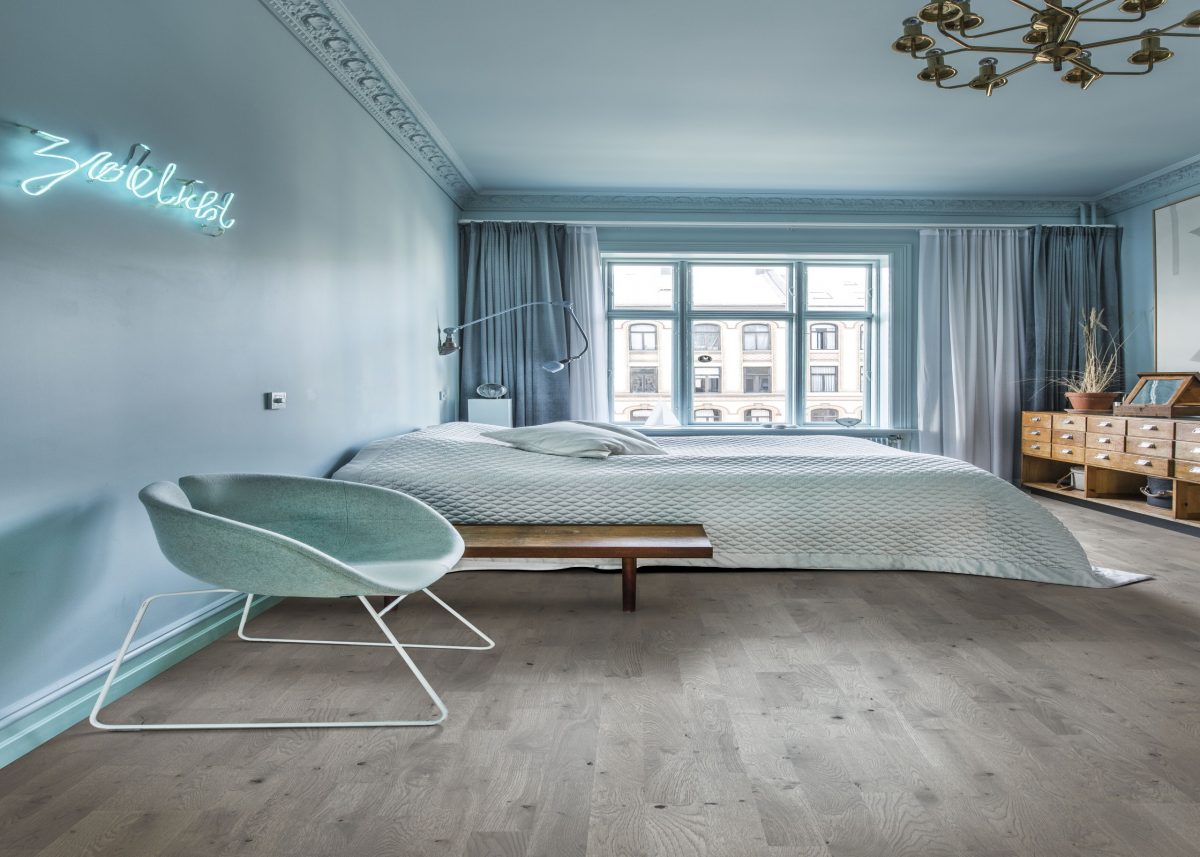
{"points": [[736, 714]]}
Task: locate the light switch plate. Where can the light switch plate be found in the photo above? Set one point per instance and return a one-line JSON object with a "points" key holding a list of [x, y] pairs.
{"points": [[274, 401]]}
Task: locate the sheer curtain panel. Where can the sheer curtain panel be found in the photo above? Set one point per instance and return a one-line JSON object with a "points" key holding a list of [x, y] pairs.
{"points": [[970, 318]]}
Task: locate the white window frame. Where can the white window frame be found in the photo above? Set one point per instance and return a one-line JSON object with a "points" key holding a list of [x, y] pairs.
{"points": [[795, 318]]}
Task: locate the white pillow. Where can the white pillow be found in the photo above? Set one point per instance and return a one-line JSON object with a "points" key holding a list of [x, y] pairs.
{"points": [[578, 439]]}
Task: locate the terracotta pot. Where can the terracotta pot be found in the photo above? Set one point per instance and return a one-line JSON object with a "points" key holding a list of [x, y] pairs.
{"points": [[1092, 401]]}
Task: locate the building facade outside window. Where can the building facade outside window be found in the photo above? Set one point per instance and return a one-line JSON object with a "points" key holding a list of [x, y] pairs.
{"points": [[639, 415], [707, 380], [823, 379], [706, 337], [823, 337], [756, 337], [643, 337], [643, 379], [801, 333]]}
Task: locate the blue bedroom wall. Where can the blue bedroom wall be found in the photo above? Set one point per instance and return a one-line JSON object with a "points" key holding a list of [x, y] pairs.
{"points": [[1137, 268], [134, 348]]}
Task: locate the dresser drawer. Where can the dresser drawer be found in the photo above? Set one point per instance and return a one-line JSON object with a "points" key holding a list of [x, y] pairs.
{"points": [[1070, 421], [1188, 430], [1188, 471], [1059, 452], [1037, 418], [1111, 442], [1067, 437], [1187, 450], [1158, 447], [1106, 425], [1164, 429], [1130, 463], [1040, 448], [1036, 432]]}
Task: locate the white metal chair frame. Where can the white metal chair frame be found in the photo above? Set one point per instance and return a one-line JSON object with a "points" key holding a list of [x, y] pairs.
{"points": [[377, 616]]}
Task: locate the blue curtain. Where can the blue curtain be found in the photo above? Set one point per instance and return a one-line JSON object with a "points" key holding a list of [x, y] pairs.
{"points": [[504, 265], [1075, 268]]}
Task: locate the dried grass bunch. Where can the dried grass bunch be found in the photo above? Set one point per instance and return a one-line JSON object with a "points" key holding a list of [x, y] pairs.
{"points": [[1101, 363]]}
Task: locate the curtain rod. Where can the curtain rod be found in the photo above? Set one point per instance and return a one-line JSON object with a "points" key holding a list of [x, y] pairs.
{"points": [[741, 224]]}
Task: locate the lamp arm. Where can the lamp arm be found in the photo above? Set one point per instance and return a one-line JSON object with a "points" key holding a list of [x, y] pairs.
{"points": [[453, 330], [570, 308]]}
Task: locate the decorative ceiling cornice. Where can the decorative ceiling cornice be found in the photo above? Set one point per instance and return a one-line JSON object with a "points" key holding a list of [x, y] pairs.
{"points": [[1156, 185], [332, 35], [769, 203]]}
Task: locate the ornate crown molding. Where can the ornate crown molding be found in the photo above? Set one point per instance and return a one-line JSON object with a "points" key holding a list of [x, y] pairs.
{"points": [[332, 35], [764, 203], [1151, 187]]}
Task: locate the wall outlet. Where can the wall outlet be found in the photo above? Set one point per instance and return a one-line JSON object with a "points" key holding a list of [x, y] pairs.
{"points": [[274, 401], [442, 395]]}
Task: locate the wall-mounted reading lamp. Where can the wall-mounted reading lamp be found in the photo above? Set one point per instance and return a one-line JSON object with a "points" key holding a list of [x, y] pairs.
{"points": [[449, 346]]}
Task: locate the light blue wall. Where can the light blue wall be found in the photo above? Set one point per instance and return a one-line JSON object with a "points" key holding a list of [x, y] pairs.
{"points": [[1137, 275], [133, 348]]}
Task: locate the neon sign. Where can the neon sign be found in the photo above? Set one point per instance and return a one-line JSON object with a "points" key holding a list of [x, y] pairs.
{"points": [[209, 207]]}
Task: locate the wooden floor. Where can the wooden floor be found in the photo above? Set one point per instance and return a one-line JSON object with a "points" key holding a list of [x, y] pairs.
{"points": [[741, 714]]}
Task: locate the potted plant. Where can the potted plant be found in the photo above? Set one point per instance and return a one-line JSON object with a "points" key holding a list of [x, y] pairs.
{"points": [[1091, 388]]}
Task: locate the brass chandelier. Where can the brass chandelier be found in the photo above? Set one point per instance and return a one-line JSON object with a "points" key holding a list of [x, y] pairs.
{"points": [[1049, 40]]}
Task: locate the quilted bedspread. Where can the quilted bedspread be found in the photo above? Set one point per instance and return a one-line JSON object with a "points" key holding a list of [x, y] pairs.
{"points": [[766, 502]]}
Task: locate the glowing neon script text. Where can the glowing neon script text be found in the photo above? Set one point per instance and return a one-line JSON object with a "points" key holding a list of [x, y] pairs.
{"points": [[209, 207]]}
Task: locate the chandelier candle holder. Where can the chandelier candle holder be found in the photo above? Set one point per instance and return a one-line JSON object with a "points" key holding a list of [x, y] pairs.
{"points": [[1051, 38]]}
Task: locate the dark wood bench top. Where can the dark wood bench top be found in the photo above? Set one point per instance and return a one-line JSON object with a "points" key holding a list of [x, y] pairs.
{"points": [[627, 542]]}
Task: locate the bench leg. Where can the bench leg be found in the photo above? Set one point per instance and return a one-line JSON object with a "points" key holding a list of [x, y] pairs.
{"points": [[629, 584]]}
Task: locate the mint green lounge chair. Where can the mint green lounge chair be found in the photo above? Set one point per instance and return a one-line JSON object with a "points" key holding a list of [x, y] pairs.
{"points": [[294, 537]]}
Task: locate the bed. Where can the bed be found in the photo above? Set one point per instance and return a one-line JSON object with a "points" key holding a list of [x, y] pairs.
{"points": [[774, 501]]}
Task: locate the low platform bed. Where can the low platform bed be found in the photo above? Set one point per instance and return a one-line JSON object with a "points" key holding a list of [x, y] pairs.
{"points": [[769, 502]]}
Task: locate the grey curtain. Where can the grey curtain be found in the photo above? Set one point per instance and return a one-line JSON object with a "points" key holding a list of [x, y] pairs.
{"points": [[970, 316], [1075, 268], [504, 265]]}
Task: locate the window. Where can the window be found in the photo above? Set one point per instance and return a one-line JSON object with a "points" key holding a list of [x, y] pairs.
{"points": [[643, 379], [756, 337], [639, 416], [706, 337], [756, 379], [643, 337], [823, 415], [745, 340], [707, 380], [823, 337], [823, 379]]}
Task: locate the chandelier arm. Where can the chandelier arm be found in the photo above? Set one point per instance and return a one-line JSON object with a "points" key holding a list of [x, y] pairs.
{"points": [[1018, 69], [1149, 68], [1094, 6], [1134, 38], [1140, 17], [980, 48], [995, 32]]}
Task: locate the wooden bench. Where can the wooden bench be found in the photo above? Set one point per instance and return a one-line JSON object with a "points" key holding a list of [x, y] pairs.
{"points": [[627, 542]]}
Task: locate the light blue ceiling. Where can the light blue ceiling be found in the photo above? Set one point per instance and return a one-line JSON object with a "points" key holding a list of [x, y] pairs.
{"points": [[766, 95]]}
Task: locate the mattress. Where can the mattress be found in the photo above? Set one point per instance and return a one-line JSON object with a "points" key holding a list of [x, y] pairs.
{"points": [[774, 501]]}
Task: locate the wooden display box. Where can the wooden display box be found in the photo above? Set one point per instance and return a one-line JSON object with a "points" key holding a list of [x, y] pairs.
{"points": [[1163, 394]]}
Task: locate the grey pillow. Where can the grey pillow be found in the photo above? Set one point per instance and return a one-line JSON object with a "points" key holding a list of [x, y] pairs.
{"points": [[578, 439]]}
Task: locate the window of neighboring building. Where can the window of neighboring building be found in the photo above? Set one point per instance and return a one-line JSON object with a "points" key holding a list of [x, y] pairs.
{"points": [[823, 379], [823, 337], [707, 379], [643, 337], [706, 337], [756, 379], [643, 379], [756, 337], [823, 415], [757, 415], [639, 415], [707, 415]]}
